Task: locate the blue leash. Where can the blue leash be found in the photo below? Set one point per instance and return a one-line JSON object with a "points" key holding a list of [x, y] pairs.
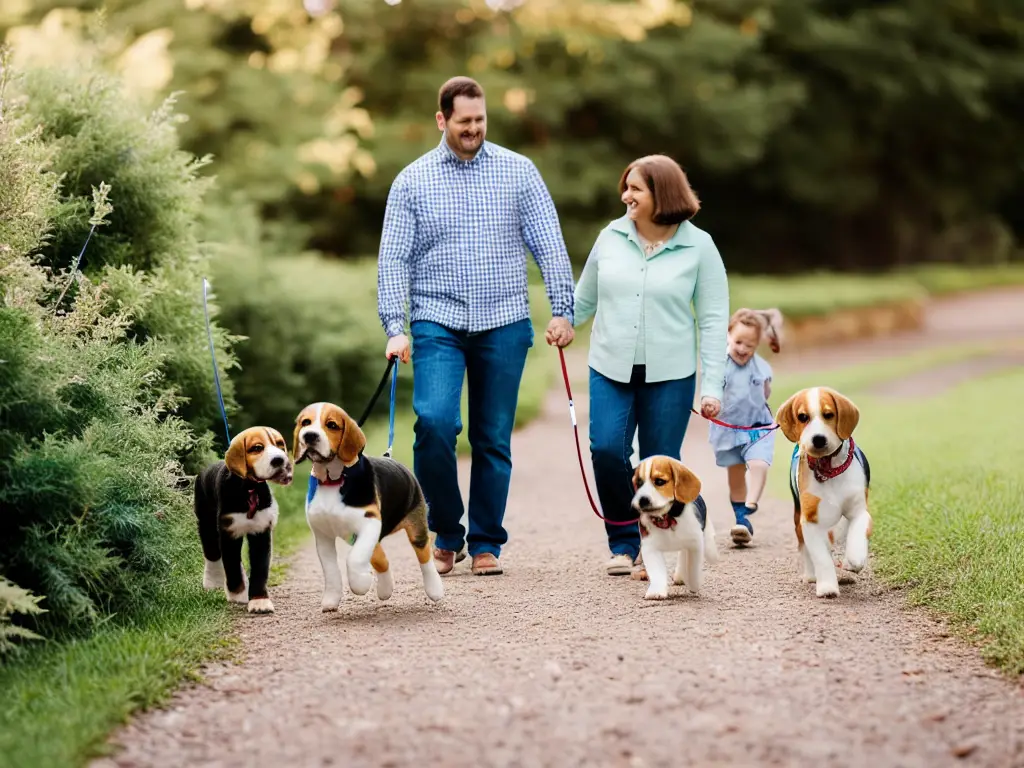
{"points": [[391, 416], [213, 354]]}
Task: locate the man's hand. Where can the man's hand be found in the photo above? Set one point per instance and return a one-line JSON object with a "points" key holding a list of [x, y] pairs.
{"points": [[398, 346], [710, 407], [560, 332]]}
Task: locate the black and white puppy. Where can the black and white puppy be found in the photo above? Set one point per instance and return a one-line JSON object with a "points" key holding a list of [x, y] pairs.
{"points": [[233, 501]]}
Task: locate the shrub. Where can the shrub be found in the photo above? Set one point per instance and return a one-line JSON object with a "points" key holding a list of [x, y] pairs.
{"points": [[90, 519], [149, 255]]}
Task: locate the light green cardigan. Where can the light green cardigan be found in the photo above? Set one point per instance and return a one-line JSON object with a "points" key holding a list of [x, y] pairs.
{"points": [[623, 290]]}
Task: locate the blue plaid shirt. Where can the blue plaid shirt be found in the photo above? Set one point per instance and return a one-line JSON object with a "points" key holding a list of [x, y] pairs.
{"points": [[454, 240]]}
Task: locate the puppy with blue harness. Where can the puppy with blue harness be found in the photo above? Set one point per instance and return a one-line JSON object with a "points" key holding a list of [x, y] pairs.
{"points": [[361, 500], [829, 479]]}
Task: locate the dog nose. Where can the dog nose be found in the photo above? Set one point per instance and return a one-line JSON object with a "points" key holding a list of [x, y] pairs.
{"points": [[277, 461], [643, 501], [818, 441], [310, 437]]}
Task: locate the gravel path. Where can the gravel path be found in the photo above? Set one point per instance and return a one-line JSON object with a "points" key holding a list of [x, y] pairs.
{"points": [[556, 664]]}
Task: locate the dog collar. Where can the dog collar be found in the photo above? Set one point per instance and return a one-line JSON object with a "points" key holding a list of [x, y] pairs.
{"points": [[823, 469], [254, 498]]}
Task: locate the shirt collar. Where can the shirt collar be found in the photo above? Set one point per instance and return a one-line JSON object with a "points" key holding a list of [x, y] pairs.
{"points": [[681, 239], [447, 156]]}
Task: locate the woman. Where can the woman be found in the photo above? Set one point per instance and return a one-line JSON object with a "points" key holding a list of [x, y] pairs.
{"points": [[644, 271]]}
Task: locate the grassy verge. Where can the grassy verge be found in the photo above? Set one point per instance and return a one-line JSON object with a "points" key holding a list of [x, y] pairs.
{"points": [[946, 493]]}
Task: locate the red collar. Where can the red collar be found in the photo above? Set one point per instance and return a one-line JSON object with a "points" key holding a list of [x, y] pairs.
{"points": [[339, 481], [823, 469], [253, 500]]}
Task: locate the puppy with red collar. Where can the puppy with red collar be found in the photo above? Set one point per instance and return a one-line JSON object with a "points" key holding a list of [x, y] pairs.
{"points": [[673, 518], [233, 502], [361, 500], [829, 479]]}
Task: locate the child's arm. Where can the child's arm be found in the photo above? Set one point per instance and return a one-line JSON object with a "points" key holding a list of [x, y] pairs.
{"points": [[767, 389], [767, 379]]}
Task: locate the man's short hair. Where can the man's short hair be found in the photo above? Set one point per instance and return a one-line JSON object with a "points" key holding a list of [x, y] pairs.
{"points": [[457, 86], [674, 198]]}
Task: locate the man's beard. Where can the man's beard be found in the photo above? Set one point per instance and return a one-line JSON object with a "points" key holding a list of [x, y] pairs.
{"points": [[466, 141]]}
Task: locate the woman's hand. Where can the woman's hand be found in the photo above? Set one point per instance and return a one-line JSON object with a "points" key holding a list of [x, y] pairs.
{"points": [[710, 407]]}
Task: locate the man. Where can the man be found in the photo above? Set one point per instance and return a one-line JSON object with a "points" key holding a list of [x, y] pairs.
{"points": [[457, 225]]}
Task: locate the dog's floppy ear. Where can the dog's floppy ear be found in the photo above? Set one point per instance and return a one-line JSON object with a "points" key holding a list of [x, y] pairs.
{"points": [[786, 417], [847, 415], [686, 485], [353, 441], [235, 456], [637, 476], [296, 445]]}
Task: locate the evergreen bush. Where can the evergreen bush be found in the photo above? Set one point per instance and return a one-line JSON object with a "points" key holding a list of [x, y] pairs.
{"points": [[92, 521], [149, 255]]}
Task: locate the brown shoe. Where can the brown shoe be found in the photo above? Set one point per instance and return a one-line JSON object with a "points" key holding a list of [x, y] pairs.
{"points": [[486, 564], [445, 559]]}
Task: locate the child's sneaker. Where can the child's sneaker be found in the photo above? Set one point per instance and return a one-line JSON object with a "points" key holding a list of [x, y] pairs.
{"points": [[743, 531]]}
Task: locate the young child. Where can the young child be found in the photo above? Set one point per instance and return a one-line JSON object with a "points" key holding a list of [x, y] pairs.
{"points": [[746, 454]]}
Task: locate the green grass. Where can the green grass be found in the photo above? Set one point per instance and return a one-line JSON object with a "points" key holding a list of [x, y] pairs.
{"points": [[939, 279], [946, 495]]}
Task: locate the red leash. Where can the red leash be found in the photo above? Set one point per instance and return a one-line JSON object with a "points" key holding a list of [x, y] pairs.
{"points": [[579, 452]]}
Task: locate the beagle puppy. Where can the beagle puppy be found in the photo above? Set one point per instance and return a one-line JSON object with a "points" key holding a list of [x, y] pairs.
{"points": [[233, 501], [361, 500], [673, 518], [829, 479]]}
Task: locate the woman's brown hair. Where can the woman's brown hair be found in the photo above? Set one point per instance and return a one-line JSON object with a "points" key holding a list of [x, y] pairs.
{"points": [[674, 198]]}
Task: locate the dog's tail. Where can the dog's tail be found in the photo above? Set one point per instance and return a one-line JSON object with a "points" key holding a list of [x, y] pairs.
{"points": [[710, 546]]}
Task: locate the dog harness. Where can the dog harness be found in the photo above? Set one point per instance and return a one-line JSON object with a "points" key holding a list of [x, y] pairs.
{"points": [[668, 521], [354, 481], [823, 469]]}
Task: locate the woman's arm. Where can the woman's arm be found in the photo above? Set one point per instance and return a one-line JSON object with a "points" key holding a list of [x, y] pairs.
{"points": [[585, 297], [711, 308]]}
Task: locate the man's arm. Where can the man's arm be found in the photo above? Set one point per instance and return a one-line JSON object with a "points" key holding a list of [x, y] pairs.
{"points": [[543, 236], [396, 243]]}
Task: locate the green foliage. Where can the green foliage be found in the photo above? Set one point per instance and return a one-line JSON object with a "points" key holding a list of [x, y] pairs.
{"points": [[147, 253], [14, 599], [92, 519], [955, 550]]}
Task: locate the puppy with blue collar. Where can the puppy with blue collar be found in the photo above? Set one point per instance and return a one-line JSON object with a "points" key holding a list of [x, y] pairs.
{"points": [[360, 500], [673, 518], [232, 502]]}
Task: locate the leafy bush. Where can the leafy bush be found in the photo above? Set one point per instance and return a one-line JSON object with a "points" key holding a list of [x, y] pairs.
{"points": [[149, 255], [90, 518]]}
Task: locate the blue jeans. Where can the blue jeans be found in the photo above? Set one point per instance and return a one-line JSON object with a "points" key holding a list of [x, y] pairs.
{"points": [[661, 411], [492, 363]]}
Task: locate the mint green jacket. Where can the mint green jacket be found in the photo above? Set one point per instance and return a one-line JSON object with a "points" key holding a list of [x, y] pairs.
{"points": [[627, 292]]}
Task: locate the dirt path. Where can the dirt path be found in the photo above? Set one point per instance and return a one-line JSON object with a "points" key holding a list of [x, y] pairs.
{"points": [[556, 664]]}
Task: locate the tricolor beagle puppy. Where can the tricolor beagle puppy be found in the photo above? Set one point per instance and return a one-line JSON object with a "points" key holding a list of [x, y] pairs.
{"points": [[361, 500], [232, 501], [673, 518], [829, 479]]}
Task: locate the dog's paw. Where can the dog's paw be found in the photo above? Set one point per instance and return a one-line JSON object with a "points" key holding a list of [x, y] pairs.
{"points": [[432, 583], [656, 594], [827, 590], [213, 575], [241, 597], [808, 578], [330, 602], [360, 581], [260, 605], [385, 585]]}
